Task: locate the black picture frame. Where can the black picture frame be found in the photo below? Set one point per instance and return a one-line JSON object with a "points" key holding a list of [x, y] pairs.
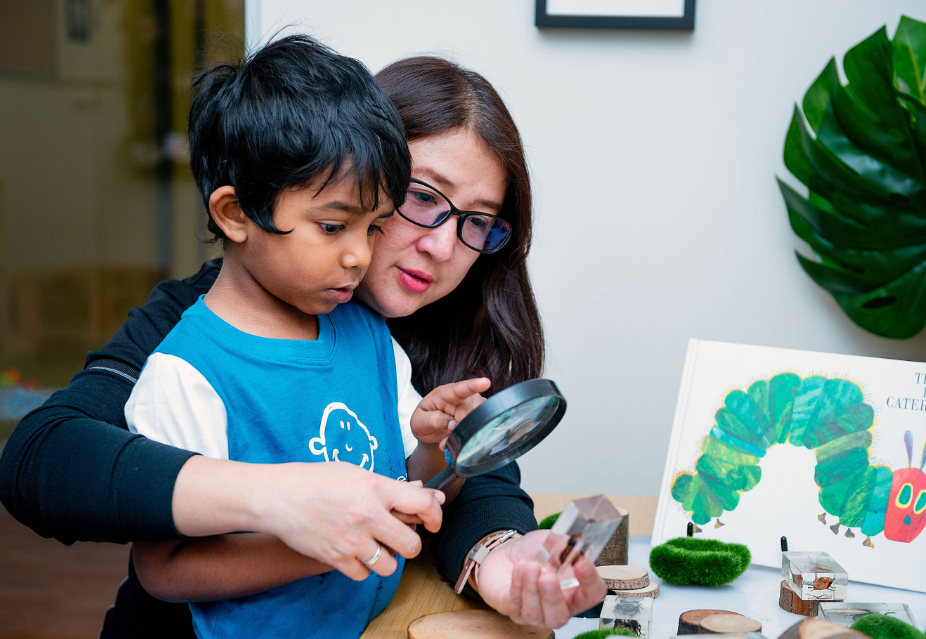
{"points": [[543, 19]]}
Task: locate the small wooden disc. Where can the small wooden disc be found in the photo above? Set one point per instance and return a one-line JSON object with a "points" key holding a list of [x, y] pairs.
{"points": [[689, 623], [472, 624], [727, 624], [624, 577], [820, 629], [792, 602], [650, 590]]}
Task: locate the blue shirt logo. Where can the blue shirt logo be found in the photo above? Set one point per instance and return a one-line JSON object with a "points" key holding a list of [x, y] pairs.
{"points": [[343, 437]]}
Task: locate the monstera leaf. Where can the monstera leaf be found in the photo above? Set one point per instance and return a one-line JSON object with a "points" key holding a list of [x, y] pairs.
{"points": [[860, 149]]}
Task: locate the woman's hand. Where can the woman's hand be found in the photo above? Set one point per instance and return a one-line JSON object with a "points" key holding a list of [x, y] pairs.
{"points": [[334, 512], [441, 409], [510, 581]]}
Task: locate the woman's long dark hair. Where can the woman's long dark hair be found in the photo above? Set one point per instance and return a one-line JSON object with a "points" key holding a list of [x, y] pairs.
{"points": [[489, 325]]}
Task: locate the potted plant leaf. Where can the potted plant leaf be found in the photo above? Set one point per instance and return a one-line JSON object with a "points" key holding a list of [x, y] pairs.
{"points": [[860, 149]]}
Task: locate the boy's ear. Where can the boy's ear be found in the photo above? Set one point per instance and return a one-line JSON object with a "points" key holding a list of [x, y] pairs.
{"points": [[227, 215]]}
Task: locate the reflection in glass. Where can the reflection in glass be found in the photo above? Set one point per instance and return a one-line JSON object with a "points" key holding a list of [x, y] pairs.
{"points": [[506, 431]]}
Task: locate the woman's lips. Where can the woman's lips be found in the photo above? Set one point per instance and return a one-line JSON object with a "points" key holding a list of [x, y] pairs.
{"points": [[340, 295], [415, 281]]}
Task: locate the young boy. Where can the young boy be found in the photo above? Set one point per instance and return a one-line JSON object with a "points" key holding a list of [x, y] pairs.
{"points": [[300, 158]]}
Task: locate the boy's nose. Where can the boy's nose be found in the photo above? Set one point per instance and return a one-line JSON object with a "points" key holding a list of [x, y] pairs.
{"points": [[358, 254]]}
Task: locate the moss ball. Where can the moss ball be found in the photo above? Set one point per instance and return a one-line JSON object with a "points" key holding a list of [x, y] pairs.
{"points": [[884, 627], [598, 634], [708, 562], [547, 522]]}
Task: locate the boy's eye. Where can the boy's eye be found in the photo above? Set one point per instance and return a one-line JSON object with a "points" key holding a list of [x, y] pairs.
{"points": [[332, 228], [374, 228]]}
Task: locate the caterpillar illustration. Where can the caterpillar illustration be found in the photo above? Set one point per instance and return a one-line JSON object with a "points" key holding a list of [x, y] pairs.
{"points": [[826, 415]]}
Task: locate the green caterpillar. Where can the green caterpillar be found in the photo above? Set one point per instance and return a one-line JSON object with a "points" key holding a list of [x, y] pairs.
{"points": [[828, 416]]}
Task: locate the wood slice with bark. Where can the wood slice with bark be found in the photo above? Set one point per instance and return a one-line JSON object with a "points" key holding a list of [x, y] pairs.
{"points": [[728, 624], [615, 551], [624, 577], [792, 602], [689, 623], [820, 629], [651, 590], [473, 624]]}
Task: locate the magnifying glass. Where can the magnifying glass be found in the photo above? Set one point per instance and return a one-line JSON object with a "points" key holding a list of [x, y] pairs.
{"points": [[501, 429]]}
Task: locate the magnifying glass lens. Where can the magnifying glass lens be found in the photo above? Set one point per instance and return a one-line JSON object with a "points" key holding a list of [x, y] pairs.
{"points": [[501, 429], [506, 431]]}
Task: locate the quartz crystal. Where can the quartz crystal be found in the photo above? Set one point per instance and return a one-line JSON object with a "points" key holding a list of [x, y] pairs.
{"points": [[582, 529], [814, 576], [846, 613], [627, 613]]}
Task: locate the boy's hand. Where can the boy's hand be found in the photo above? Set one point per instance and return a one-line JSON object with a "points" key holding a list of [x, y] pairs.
{"points": [[441, 409]]}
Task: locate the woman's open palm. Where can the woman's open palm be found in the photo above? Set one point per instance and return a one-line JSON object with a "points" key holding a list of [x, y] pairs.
{"points": [[510, 581]]}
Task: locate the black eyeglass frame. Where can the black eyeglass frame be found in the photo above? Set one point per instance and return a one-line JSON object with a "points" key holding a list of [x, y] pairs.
{"points": [[462, 215]]}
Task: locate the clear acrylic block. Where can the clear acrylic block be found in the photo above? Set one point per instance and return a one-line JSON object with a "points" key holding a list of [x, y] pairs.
{"points": [[582, 529], [846, 613], [627, 613], [814, 576]]}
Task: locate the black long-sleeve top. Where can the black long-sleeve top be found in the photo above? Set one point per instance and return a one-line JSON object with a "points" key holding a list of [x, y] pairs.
{"points": [[72, 471]]}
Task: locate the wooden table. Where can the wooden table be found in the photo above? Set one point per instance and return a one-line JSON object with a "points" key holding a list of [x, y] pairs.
{"points": [[49, 590], [422, 591]]}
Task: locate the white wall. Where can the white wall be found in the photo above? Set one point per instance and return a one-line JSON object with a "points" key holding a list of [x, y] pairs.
{"points": [[654, 158]]}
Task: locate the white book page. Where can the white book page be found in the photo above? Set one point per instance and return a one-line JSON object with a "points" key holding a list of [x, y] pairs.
{"points": [[786, 500]]}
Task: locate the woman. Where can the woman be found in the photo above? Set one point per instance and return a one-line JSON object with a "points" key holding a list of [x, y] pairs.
{"points": [[457, 313]]}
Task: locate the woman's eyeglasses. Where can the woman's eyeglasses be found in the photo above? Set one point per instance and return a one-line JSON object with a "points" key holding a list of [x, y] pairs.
{"points": [[426, 206]]}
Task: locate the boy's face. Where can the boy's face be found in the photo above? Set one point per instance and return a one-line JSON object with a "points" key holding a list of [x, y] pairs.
{"points": [[321, 261]]}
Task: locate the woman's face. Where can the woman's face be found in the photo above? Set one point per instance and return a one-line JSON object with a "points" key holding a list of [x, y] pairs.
{"points": [[414, 266]]}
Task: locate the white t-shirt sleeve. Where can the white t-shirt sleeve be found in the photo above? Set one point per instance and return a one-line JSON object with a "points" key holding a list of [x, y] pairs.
{"points": [[172, 403], [408, 397]]}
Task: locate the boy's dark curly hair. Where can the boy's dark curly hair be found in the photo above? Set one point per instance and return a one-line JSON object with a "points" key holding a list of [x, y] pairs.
{"points": [[290, 111]]}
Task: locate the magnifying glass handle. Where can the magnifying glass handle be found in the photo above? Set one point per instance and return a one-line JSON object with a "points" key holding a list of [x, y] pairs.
{"points": [[442, 479]]}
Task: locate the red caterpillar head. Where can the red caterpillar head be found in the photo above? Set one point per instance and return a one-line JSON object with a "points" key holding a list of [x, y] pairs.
{"points": [[906, 507]]}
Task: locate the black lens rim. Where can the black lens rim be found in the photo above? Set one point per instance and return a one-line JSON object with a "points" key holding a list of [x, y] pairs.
{"points": [[454, 211], [496, 405]]}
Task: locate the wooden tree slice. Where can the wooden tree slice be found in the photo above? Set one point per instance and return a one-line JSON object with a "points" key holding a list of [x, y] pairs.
{"points": [[615, 551], [624, 577], [820, 629], [728, 624], [472, 624], [792, 602], [651, 590], [689, 623]]}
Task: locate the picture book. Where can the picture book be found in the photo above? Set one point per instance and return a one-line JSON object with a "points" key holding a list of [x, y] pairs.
{"points": [[827, 450]]}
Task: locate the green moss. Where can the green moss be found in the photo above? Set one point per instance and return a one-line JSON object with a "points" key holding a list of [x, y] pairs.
{"points": [[548, 522], [884, 627], [599, 634], [708, 562]]}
